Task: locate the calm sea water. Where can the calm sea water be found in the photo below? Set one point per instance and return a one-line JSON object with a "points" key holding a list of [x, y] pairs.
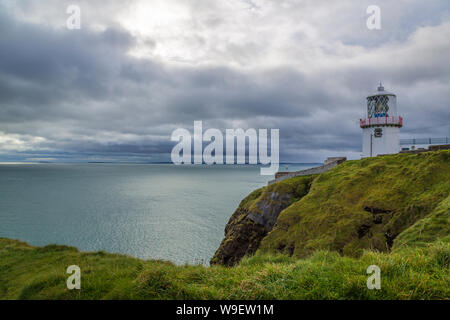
{"points": [[150, 211]]}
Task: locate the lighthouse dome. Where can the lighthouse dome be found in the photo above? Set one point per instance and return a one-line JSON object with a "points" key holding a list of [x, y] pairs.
{"points": [[381, 91]]}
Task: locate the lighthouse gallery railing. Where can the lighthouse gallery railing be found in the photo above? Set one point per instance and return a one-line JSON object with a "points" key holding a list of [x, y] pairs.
{"points": [[393, 121]]}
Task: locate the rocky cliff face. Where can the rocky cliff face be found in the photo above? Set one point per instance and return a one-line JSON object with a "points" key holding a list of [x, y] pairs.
{"points": [[255, 217], [363, 204]]}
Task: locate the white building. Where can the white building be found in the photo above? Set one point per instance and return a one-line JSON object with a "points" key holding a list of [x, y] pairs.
{"points": [[381, 126]]}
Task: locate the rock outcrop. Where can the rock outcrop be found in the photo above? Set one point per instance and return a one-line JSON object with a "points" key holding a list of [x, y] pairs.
{"points": [[255, 217]]}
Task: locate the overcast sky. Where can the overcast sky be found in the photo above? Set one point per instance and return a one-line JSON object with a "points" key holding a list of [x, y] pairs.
{"points": [[136, 70]]}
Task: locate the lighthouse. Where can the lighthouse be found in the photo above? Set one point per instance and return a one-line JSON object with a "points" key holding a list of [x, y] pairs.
{"points": [[381, 125]]}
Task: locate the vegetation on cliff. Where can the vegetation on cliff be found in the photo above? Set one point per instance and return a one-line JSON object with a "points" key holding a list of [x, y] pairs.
{"points": [[432, 227], [28, 272], [366, 204], [376, 203]]}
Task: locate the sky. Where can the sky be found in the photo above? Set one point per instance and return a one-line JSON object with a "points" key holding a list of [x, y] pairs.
{"points": [[115, 89]]}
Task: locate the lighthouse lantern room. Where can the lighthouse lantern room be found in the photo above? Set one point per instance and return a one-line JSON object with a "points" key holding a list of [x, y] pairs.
{"points": [[381, 126]]}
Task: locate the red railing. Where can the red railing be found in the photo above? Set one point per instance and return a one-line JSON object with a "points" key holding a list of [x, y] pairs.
{"points": [[393, 121]]}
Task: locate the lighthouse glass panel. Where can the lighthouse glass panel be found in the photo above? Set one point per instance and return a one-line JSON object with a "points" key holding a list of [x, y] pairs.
{"points": [[378, 106]]}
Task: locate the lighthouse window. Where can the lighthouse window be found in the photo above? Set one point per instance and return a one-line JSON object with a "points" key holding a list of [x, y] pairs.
{"points": [[378, 106]]}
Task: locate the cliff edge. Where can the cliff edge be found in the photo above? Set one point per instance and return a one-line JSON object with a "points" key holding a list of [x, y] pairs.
{"points": [[256, 216], [375, 203]]}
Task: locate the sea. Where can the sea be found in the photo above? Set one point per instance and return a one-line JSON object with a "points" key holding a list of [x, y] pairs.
{"points": [[149, 211]]}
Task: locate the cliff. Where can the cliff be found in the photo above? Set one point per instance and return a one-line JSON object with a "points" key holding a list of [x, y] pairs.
{"points": [[256, 216], [380, 203]]}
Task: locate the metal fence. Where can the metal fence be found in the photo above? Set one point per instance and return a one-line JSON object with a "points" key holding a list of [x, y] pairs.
{"points": [[424, 141]]}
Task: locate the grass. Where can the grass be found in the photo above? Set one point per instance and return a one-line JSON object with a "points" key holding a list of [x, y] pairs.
{"points": [[368, 204], [28, 272], [432, 227]]}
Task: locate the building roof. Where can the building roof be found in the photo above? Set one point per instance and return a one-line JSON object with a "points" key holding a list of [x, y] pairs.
{"points": [[381, 92]]}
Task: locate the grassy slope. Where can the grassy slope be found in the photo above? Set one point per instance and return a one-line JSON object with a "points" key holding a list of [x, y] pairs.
{"points": [[400, 189], [434, 226], [39, 273]]}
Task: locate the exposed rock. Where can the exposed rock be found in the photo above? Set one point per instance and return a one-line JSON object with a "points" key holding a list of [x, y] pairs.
{"points": [[376, 210], [241, 239], [269, 210], [389, 238], [255, 217], [377, 219], [362, 230]]}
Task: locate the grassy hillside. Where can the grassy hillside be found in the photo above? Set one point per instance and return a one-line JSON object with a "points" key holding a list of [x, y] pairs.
{"points": [[28, 272], [368, 204], [432, 227]]}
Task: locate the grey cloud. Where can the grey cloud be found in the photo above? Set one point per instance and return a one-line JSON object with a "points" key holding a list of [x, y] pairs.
{"points": [[88, 97]]}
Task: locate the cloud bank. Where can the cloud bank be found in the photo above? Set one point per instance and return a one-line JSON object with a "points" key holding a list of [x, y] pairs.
{"points": [[136, 70]]}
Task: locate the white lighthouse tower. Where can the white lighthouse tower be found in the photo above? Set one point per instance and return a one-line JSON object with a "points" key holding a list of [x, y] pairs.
{"points": [[381, 126]]}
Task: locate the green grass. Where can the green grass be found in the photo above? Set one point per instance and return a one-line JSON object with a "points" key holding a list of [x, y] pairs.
{"points": [[433, 227], [28, 272], [335, 215]]}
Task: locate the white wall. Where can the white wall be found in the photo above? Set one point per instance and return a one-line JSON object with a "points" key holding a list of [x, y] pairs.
{"points": [[388, 143]]}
